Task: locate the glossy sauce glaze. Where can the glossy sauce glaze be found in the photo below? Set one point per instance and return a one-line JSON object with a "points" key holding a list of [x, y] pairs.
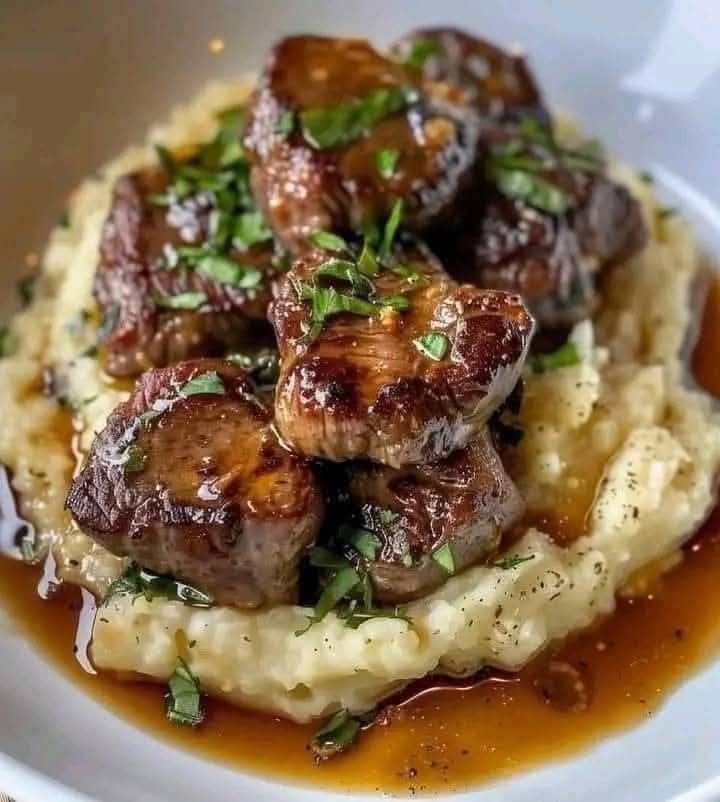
{"points": [[441, 734]]}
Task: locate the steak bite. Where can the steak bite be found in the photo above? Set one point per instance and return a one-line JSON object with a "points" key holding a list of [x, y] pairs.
{"points": [[431, 521], [404, 375], [497, 83], [337, 132], [546, 220], [188, 478], [186, 262]]}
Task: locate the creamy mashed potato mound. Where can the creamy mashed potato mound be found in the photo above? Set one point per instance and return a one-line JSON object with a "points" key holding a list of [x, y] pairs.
{"points": [[620, 443]]}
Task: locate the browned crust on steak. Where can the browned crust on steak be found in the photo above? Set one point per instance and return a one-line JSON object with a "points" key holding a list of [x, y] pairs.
{"points": [[218, 502], [133, 271], [465, 501], [304, 189], [363, 388]]}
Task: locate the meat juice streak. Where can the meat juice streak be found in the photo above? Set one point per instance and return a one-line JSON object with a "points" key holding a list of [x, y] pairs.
{"points": [[442, 734]]}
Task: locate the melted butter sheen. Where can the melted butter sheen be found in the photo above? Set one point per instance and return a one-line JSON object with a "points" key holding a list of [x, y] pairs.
{"points": [[443, 735]]}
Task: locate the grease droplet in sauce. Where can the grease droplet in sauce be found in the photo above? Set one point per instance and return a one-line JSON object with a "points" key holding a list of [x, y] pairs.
{"points": [[443, 734]]}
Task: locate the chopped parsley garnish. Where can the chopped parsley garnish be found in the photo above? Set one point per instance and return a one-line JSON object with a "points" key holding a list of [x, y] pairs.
{"points": [[386, 162], [347, 588], [362, 540], [345, 270], [184, 300], [110, 319], [205, 383], [183, 699], [327, 241], [286, 123], [327, 301], [64, 219], [264, 366], [137, 581], [646, 177], [666, 211], [422, 49], [336, 735], [220, 172], [357, 271], [391, 227], [225, 271], [8, 344], [512, 562], [433, 345], [443, 556], [519, 167], [28, 544], [26, 289], [250, 229], [133, 459], [339, 125], [563, 357]]}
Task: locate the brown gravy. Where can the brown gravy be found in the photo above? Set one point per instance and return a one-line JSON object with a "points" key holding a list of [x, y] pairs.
{"points": [[444, 735]]}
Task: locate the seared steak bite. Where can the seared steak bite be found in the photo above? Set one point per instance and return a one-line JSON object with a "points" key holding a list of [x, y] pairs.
{"points": [[497, 83], [546, 220], [431, 521], [186, 264], [336, 132], [405, 375], [188, 478]]}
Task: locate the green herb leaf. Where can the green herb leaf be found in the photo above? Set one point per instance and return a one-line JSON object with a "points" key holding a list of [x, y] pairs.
{"points": [[110, 318], [342, 582], [226, 271], [133, 459], [184, 300], [327, 301], [386, 162], [339, 125], [250, 229], [666, 211], [182, 701], [64, 219], [286, 123], [443, 556], [565, 356], [646, 177], [399, 303], [433, 345], [422, 49], [362, 540], [26, 289], [137, 581], [524, 185], [328, 241], [391, 227], [322, 557], [336, 735], [205, 383], [264, 366], [367, 262], [8, 343], [346, 271], [28, 545], [512, 562], [353, 618]]}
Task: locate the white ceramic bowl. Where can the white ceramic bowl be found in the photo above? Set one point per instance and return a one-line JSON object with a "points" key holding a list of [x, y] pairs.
{"points": [[79, 80]]}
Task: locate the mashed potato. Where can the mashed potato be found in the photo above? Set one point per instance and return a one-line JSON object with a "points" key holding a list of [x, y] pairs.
{"points": [[617, 443]]}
